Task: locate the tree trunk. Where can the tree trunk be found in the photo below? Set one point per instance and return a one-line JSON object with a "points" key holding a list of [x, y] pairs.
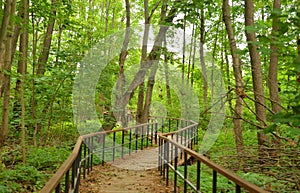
{"points": [[152, 56], [191, 53], [7, 78], [238, 112], [43, 58], [140, 104], [273, 68], [148, 99], [202, 60], [167, 58], [183, 49], [34, 58], [22, 67], [120, 108], [3, 36], [257, 80]]}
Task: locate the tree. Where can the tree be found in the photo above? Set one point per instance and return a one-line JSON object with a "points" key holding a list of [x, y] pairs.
{"points": [[273, 68], [257, 78], [238, 111], [7, 76]]}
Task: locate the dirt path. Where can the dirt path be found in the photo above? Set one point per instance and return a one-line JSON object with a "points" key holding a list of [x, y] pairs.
{"points": [[112, 179]]}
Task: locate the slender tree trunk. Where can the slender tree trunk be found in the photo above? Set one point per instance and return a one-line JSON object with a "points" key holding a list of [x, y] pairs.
{"points": [[151, 78], [140, 104], [7, 78], [34, 58], [43, 58], [183, 49], [4, 25], [23, 64], [152, 56], [273, 68], [194, 57], [107, 15], [3, 36], [238, 112], [120, 108], [167, 58], [191, 52], [202, 60], [148, 99], [15, 39], [257, 78]]}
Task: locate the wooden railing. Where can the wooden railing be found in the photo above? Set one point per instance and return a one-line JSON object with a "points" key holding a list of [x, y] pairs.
{"points": [[177, 138], [106, 146], [170, 163]]}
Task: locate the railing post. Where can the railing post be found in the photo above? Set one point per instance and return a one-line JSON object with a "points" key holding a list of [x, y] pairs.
{"points": [[123, 137], [237, 188], [214, 184], [114, 146], [57, 189], [156, 125], [175, 168], [185, 172], [92, 146], [167, 162], [103, 148], [136, 140], [147, 135], [142, 139], [130, 137], [84, 162], [67, 180], [198, 175]]}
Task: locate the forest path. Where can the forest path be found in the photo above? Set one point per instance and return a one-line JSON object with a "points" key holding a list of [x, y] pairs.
{"points": [[112, 179], [136, 173]]}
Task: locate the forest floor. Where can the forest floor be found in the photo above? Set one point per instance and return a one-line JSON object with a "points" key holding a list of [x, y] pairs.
{"points": [[112, 179]]}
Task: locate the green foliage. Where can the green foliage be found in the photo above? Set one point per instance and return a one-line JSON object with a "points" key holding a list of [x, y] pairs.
{"points": [[22, 178], [47, 158], [30, 177]]}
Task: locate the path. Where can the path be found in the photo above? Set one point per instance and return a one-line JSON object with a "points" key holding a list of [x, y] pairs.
{"points": [[135, 173], [112, 179]]}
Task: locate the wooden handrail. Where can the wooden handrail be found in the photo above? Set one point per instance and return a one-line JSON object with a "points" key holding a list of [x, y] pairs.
{"points": [[66, 166], [55, 179], [219, 169]]}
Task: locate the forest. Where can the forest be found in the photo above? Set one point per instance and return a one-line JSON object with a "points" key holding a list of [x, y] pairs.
{"points": [[232, 66]]}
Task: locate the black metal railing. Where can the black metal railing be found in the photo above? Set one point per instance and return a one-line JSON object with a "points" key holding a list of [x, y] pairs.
{"points": [[107, 146], [169, 164]]}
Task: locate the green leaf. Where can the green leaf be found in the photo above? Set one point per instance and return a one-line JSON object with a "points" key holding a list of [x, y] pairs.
{"points": [[270, 128], [251, 29], [296, 65]]}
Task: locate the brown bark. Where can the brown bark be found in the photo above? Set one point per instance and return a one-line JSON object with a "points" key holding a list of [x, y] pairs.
{"points": [[273, 68], [257, 80], [43, 58], [120, 109], [148, 99], [34, 58], [238, 112], [140, 104], [152, 56], [22, 67], [202, 61], [151, 78], [191, 56], [168, 89], [7, 78], [183, 50], [3, 36]]}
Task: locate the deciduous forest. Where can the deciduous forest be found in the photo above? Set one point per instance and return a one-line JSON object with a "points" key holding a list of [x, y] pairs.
{"points": [[251, 48]]}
